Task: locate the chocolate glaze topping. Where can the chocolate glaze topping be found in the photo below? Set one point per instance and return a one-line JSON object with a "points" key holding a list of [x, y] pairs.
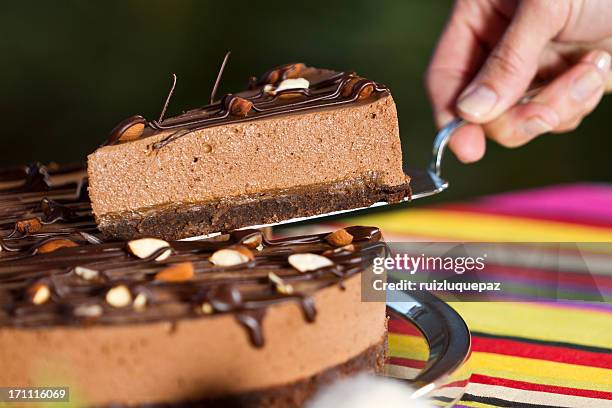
{"points": [[48, 235], [327, 89]]}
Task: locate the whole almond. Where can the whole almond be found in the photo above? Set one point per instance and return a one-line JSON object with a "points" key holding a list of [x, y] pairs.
{"points": [[55, 244], [132, 133], [119, 296], [145, 247], [239, 106], [294, 70], [176, 273], [28, 226], [126, 130], [307, 262], [366, 91], [231, 256], [339, 238], [347, 88]]}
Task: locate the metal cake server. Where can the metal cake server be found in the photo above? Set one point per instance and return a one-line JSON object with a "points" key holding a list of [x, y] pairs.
{"points": [[423, 182]]}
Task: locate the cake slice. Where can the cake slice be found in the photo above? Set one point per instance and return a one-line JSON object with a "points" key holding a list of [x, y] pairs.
{"points": [[299, 142]]}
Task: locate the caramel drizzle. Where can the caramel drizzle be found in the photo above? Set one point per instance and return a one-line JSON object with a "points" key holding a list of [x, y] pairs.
{"points": [[244, 291]]}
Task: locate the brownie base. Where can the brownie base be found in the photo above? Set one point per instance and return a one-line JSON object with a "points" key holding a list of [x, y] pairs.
{"points": [[187, 220], [296, 394]]}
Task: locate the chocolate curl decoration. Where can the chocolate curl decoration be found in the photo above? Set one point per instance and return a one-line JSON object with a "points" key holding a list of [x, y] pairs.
{"points": [[167, 102], [219, 75]]}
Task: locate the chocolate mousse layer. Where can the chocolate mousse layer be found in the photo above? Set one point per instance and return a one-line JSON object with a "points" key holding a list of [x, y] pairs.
{"points": [[298, 393], [241, 319], [252, 158]]}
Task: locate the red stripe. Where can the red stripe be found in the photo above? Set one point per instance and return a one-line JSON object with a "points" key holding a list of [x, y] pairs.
{"points": [[522, 385], [458, 383], [401, 326], [542, 352], [567, 218], [407, 362]]}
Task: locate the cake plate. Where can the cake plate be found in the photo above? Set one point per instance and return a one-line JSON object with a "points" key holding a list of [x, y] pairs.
{"points": [[443, 375]]}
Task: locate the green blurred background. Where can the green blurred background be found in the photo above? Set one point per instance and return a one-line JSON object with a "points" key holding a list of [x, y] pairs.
{"points": [[72, 69]]}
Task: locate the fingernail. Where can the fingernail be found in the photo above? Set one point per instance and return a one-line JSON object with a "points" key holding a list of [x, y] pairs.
{"points": [[586, 85], [535, 126], [478, 102], [602, 61]]}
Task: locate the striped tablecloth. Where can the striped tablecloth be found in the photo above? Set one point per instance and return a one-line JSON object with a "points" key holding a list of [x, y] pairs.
{"points": [[525, 353]]}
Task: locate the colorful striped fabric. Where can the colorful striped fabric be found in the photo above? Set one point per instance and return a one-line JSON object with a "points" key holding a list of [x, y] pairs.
{"points": [[525, 353]]}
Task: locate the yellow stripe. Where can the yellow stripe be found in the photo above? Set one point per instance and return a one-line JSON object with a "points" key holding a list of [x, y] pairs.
{"points": [[541, 371], [537, 321], [406, 346], [461, 226], [476, 404]]}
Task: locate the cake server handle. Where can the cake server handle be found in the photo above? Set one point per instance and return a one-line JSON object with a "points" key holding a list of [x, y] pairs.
{"points": [[444, 135]]}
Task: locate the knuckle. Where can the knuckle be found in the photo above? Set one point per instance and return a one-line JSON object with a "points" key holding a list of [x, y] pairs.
{"points": [[569, 126], [506, 136], [506, 62], [514, 140]]}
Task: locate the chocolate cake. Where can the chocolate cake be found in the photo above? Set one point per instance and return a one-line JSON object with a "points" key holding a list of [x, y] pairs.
{"points": [[300, 141], [239, 320]]}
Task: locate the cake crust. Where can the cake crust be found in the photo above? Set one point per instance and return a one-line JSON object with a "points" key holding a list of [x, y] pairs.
{"points": [[188, 220]]}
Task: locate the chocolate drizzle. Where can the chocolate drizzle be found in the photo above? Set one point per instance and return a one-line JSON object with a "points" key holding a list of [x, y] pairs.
{"points": [[35, 257], [327, 89]]}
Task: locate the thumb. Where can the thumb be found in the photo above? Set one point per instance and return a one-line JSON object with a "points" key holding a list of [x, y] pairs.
{"points": [[512, 65]]}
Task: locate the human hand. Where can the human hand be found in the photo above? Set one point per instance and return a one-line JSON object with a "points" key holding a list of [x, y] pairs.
{"points": [[492, 50]]}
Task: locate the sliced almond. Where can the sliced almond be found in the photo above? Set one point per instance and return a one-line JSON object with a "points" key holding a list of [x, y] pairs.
{"points": [[176, 273], [279, 283], [207, 308], [145, 247], [253, 241], [347, 248], [119, 296], [295, 84], [86, 273], [292, 83], [339, 238], [91, 310], [28, 226], [140, 302], [309, 262], [39, 293], [231, 256], [55, 244]]}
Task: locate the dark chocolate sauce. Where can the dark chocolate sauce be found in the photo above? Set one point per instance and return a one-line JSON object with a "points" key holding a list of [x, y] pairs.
{"points": [[245, 291], [327, 89]]}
